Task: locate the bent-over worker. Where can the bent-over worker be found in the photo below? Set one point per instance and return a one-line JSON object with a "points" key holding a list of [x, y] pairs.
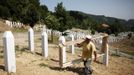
{"points": [[88, 51]]}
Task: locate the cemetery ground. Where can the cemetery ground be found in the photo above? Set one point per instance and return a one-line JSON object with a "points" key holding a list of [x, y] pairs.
{"points": [[126, 46], [34, 64]]}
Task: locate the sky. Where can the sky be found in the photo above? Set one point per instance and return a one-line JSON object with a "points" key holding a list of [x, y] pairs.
{"points": [[123, 9]]}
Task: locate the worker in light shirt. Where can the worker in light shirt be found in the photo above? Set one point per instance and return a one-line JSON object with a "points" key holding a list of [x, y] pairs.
{"points": [[88, 50]]}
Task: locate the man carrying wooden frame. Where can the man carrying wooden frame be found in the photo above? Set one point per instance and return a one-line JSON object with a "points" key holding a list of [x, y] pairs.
{"points": [[88, 51]]}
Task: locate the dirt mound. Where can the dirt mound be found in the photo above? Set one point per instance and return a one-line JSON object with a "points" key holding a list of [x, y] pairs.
{"points": [[4, 27]]}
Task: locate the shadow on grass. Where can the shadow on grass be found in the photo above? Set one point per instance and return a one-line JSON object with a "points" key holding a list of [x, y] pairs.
{"points": [[38, 53], [24, 49], [2, 67], [55, 60], [78, 70], [1, 56], [1, 51], [21, 50]]}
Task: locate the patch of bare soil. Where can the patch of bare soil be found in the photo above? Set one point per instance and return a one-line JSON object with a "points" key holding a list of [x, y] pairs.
{"points": [[3, 27], [125, 45], [34, 64]]}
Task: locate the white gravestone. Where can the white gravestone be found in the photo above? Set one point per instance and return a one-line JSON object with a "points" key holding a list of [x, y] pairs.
{"points": [[62, 50], [106, 57], [72, 46], [31, 39], [44, 44], [44, 29], [9, 52]]}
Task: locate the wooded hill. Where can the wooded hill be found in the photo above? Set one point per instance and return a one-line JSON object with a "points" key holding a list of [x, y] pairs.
{"points": [[31, 12], [100, 19]]}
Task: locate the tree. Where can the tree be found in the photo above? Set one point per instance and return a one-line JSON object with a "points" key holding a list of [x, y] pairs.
{"points": [[4, 12], [25, 11], [64, 17], [43, 12], [52, 23], [116, 27], [86, 23], [132, 29], [31, 16]]}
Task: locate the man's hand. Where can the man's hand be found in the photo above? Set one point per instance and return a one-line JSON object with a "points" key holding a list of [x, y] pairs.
{"points": [[95, 59], [95, 56], [78, 45]]}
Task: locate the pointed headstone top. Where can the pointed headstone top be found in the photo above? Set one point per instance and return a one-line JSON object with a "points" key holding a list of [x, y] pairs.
{"points": [[30, 29], [8, 34], [44, 33]]}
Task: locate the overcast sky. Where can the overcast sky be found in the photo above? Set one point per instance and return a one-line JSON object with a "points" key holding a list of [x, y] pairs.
{"points": [[123, 9]]}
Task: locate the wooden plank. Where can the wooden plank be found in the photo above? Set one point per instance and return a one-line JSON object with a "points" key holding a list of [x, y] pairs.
{"points": [[74, 42], [77, 61], [80, 40]]}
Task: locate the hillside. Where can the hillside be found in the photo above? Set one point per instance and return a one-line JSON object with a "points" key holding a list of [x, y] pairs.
{"points": [[30, 12], [34, 64], [126, 45], [102, 19]]}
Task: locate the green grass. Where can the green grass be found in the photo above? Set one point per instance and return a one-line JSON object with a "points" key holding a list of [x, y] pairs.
{"points": [[43, 65], [55, 39], [16, 47], [1, 56], [115, 55], [1, 49], [20, 50], [130, 53], [19, 30]]}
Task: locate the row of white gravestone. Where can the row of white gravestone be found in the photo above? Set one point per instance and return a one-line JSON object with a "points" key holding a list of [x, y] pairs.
{"points": [[81, 34], [116, 39], [111, 38], [38, 27], [70, 38], [13, 24], [56, 33], [44, 37], [9, 48], [97, 41], [77, 35]]}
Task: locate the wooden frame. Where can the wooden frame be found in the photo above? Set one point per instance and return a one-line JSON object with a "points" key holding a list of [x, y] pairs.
{"points": [[63, 44]]}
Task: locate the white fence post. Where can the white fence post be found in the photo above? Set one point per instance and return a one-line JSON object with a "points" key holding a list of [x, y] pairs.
{"points": [[31, 39], [44, 44], [72, 46], [62, 51], [106, 57], [44, 29], [105, 49], [9, 52]]}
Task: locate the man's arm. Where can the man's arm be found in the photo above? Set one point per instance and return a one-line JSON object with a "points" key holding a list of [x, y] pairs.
{"points": [[80, 44], [95, 56], [94, 52]]}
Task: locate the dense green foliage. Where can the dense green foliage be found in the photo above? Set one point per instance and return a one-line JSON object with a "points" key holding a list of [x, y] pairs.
{"points": [[26, 11], [31, 12], [65, 19], [94, 22]]}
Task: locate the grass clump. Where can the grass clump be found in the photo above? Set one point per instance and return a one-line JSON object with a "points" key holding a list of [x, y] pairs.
{"points": [[19, 30], [43, 65], [117, 55]]}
